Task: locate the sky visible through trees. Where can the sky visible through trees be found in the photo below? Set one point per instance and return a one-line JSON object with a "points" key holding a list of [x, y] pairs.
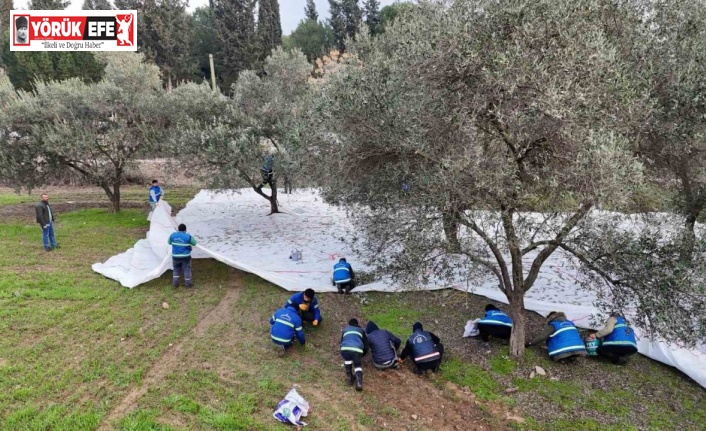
{"points": [[291, 11]]}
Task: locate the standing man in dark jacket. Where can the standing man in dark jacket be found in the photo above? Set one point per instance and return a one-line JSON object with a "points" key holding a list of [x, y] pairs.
{"points": [[354, 345], [45, 218], [181, 243], [425, 348], [384, 346]]}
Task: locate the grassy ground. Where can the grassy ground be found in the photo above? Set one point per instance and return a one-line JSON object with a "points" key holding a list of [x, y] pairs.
{"points": [[78, 352], [590, 395]]}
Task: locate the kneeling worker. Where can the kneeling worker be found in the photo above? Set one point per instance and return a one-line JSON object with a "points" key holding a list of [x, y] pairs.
{"points": [[425, 348], [306, 305], [286, 323], [354, 345], [618, 340], [343, 277], [563, 339], [383, 345], [495, 323]]}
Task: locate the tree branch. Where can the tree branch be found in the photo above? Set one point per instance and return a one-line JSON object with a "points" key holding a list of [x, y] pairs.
{"points": [[506, 283], [490, 266], [549, 249]]}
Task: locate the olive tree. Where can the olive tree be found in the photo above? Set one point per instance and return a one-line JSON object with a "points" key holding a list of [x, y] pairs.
{"points": [[96, 130], [228, 142], [511, 120]]}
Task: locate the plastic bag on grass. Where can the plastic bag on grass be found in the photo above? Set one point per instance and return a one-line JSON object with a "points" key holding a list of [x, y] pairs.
{"points": [[471, 329], [292, 408]]}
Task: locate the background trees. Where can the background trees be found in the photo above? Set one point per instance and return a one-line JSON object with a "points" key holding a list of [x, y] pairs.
{"points": [[95, 130], [226, 140], [314, 39], [671, 58], [269, 28]]}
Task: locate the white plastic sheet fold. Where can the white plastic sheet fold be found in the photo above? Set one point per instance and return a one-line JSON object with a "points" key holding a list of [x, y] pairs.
{"points": [[235, 228]]}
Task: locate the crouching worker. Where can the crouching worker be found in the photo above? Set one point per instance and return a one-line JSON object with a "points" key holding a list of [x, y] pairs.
{"points": [[383, 345], [495, 323], [306, 305], [563, 339], [343, 277], [425, 348], [617, 340], [286, 323], [354, 345]]}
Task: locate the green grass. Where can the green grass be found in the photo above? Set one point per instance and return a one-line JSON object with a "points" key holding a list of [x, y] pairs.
{"points": [[502, 364], [480, 381], [15, 198], [74, 344], [177, 196], [389, 312], [74, 341]]}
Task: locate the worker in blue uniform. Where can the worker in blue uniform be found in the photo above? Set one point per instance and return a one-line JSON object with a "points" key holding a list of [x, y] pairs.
{"points": [[286, 325], [618, 340], [343, 276], [563, 339], [307, 306], [354, 345], [496, 323]]}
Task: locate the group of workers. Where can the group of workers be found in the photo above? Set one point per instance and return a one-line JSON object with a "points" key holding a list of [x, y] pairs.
{"points": [[616, 341], [423, 347]]}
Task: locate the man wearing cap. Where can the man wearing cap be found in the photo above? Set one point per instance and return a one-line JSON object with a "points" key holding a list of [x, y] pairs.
{"points": [[383, 345], [21, 26]]}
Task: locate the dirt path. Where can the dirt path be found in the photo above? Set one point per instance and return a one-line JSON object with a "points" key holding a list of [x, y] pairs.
{"points": [[169, 361], [419, 402]]}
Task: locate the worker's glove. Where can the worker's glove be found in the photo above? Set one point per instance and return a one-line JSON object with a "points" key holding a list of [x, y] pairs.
{"points": [[315, 322], [303, 307]]}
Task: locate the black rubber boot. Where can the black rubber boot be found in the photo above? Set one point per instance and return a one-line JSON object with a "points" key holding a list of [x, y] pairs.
{"points": [[349, 374], [359, 381]]}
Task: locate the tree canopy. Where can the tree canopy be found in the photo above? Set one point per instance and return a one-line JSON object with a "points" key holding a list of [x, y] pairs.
{"points": [[464, 121]]}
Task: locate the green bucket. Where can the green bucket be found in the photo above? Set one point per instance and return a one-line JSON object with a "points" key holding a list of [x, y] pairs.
{"points": [[592, 346]]}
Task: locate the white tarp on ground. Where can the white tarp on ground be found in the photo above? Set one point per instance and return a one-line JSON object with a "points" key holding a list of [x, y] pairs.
{"points": [[235, 228]]}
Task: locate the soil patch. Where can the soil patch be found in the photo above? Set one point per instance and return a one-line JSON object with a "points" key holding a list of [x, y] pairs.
{"points": [[421, 402]]}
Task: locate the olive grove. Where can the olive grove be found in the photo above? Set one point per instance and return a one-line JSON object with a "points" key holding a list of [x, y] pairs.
{"points": [[478, 138]]}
